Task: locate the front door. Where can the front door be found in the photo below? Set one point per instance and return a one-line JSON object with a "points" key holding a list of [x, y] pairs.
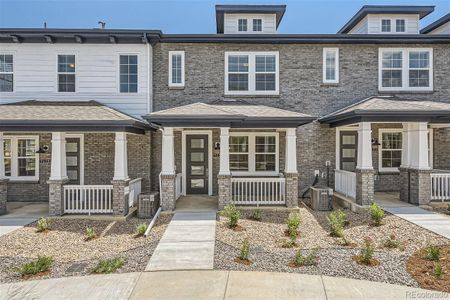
{"points": [[197, 164], [73, 160], [349, 150]]}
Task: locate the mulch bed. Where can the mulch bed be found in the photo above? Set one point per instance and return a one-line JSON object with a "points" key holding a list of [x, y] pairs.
{"points": [[243, 261], [422, 270]]}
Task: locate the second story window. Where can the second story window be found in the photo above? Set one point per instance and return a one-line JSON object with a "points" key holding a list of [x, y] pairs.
{"points": [[176, 68], [66, 73], [128, 73], [6, 73], [257, 25], [330, 65], [400, 25], [385, 25], [242, 25]]}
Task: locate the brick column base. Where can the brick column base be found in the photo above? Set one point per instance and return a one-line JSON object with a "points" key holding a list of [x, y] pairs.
{"points": [[224, 183], [291, 189], [419, 186], [404, 184], [3, 195], [120, 202], [167, 192], [56, 197], [364, 186]]}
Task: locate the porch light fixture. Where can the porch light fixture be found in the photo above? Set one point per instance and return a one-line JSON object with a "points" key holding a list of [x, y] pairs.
{"points": [[43, 149], [375, 142], [217, 146]]}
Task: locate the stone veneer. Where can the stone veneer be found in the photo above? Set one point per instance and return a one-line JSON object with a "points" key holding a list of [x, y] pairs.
{"points": [[56, 197], [120, 202], [291, 189], [419, 186], [225, 187], [3, 195], [364, 186], [404, 184], [167, 193]]}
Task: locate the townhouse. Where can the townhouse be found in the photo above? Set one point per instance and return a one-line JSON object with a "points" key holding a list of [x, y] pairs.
{"points": [[92, 118]]}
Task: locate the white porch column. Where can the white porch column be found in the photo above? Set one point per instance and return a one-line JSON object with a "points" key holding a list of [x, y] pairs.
{"points": [[168, 152], [2, 158], [58, 163], [419, 146], [406, 146], [290, 165], [120, 157], [224, 151], [364, 146]]}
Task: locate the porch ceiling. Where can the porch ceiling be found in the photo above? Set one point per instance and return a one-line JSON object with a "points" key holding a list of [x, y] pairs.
{"points": [[66, 116], [389, 109], [234, 114]]}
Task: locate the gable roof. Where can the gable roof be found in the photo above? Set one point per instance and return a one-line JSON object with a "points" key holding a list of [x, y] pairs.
{"points": [[278, 10], [422, 11], [436, 24]]}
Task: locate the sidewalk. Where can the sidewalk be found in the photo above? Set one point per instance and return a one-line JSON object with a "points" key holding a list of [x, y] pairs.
{"points": [[21, 214], [210, 285]]}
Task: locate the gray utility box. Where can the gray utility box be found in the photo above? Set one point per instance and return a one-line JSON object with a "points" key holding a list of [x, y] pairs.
{"points": [[321, 198], [148, 205]]}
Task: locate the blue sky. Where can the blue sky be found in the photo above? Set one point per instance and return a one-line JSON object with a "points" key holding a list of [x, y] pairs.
{"points": [[188, 16]]}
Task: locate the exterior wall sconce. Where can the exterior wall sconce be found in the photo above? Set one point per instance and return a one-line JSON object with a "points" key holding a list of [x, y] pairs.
{"points": [[216, 146], [375, 142], [43, 149]]}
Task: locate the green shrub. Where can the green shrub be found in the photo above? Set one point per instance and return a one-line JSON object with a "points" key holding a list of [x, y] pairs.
{"points": [[245, 250], [367, 251], [376, 213], [345, 241], [43, 224], [337, 221], [141, 229], [90, 233], [438, 271], [41, 264], [293, 222], [308, 260], [232, 213], [288, 243], [433, 252], [106, 266], [257, 215], [391, 242]]}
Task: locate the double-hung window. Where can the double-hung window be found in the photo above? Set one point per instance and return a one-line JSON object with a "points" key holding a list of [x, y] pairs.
{"points": [[386, 25], [400, 25], [128, 73], [254, 153], [330, 65], [405, 69], [254, 73], [242, 25], [390, 156], [257, 25], [6, 73], [66, 73], [176, 68], [21, 159]]}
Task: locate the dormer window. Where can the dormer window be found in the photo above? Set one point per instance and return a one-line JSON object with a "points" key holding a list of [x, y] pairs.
{"points": [[242, 25], [400, 25], [385, 25], [257, 25]]}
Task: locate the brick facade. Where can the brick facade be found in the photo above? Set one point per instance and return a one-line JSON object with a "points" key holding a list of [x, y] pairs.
{"points": [[56, 197], [167, 193], [120, 202], [420, 186], [224, 182], [3, 195], [364, 186], [291, 189]]}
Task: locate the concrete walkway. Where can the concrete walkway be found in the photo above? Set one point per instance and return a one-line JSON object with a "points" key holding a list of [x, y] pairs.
{"points": [[187, 243], [211, 285], [21, 214]]}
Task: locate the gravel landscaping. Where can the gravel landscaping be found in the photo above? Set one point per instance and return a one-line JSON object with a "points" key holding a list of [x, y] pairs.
{"points": [[72, 254], [334, 259]]}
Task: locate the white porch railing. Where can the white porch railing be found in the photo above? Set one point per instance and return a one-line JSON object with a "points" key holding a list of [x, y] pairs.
{"points": [[345, 183], [178, 185], [87, 199], [133, 190], [440, 186], [258, 191]]}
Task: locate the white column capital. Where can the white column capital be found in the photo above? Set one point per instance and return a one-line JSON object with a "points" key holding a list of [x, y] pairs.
{"points": [[2, 158], [224, 151], [364, 161], [168, 152], [58, 163], [290, 164], [120, 156]]}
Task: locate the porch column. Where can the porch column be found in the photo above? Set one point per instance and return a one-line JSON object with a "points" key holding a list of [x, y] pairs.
{"points": [[120, 180], [224, 177], [3, 178], [404, 167], [420, 170], [290, 168], [58, 174], [168, 175], [364, 168]]}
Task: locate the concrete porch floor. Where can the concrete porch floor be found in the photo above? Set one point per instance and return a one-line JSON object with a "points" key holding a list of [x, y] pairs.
{"points": [[196, 203], [20, 214]]}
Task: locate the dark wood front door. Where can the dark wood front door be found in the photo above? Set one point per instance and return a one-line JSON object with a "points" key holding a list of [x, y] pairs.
{"points": [[197, 164], [73, 160], [349, 150]]}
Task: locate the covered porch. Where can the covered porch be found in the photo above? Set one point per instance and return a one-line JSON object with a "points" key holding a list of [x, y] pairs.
{"points": [[245, 154], [386, 144]]}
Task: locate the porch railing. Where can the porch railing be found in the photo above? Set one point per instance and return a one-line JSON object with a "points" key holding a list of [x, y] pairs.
{"points": [[178, 185], [440, 186], [345, 183], [134, 189], [87, 199], [258, 191]]}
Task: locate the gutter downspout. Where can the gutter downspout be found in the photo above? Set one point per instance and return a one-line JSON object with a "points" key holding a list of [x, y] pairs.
{"points": [[149, 76]]}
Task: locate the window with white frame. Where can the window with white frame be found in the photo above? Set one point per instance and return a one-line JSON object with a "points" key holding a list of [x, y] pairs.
{"points": [[66, 73], [385, 25], [176, 68], [405, 69], [330, 65], [128, 73], [6, 73], [257, 25], [254, 73], [242, 25], [21, 159], [254, 153], [400, 25]]}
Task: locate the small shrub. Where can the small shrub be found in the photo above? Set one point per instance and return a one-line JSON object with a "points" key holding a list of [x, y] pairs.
{"points": [[433, 252], [257, 215], [438, 271], [41, 264], [245, 250], [391, 242], [106, 266], [367, 251], [232, 213], [42, 225], [337, 221], [288, 243], [308, 260], [90, 233], [293, 222], [376, 213], [141, 229], [345, 241]]}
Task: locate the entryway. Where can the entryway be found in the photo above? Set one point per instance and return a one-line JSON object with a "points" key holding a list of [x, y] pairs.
{"points": [[196, 203]]}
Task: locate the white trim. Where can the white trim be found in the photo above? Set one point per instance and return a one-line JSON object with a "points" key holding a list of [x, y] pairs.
{"points": [[184, 133], [252, 73], [14, 157], [380, 148], [405, 70], [81, 162], [120, 156], [431, 147], [172, 53], [335, 51]]}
